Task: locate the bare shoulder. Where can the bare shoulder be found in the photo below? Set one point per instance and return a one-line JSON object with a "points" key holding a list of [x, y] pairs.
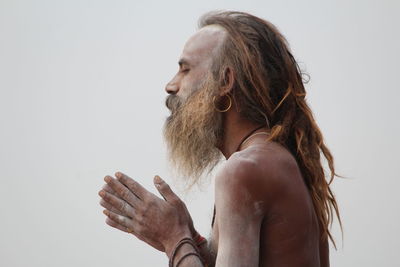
{"points": [[269, 162], [265, 170]]}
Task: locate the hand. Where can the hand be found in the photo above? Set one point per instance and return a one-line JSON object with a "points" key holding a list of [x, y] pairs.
{"points": [[133, 209], [118, 226]]}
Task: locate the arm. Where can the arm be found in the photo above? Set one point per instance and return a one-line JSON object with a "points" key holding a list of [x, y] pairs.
{"points": [[240, 215], [239, 219]]}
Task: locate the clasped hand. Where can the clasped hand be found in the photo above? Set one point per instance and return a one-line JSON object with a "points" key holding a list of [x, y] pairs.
{"points": [[129, 207]]}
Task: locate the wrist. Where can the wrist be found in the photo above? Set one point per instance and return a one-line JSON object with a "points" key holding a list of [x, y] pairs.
{"points": [[174, 240], [183, 249], [198, 239]]}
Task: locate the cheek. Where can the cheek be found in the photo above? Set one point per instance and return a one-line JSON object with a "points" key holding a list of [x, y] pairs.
{"points": [[192, 83], [187, 87]]}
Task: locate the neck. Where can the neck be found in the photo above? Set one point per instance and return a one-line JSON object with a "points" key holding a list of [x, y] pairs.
{"points": [[235, 129]]}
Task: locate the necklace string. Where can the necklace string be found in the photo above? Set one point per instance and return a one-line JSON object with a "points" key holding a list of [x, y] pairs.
{"points": [[248, 138], [244, 139]]}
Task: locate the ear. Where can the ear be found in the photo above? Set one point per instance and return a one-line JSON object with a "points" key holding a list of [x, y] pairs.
{"points": [[228, 80]]}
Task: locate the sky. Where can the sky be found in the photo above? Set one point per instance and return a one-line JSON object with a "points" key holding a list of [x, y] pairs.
{"points": [[82, 96]]}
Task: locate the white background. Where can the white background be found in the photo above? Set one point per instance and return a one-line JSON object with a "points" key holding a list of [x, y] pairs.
{"points": [[82, 96]]}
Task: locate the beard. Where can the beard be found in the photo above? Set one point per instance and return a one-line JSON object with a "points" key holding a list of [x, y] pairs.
{"points": [[193, 130]]}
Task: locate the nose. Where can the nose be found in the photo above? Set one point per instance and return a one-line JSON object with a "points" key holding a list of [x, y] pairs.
{"points": [[172, 87]]}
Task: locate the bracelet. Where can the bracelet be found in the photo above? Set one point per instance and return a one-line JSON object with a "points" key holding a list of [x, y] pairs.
{"points": [[182, 241], [199, 239], [188, 254]]}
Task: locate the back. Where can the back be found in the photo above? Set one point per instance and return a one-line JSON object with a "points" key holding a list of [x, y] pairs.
{"points": [[290, 232]]}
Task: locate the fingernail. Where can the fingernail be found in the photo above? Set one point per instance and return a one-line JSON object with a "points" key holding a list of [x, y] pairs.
{"points": [[106, 212], [118, 175], [102, 193], [107, 179], [157, 179]]}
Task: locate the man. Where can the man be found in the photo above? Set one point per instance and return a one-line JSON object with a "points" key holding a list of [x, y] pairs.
{"points": [[239, 93]]}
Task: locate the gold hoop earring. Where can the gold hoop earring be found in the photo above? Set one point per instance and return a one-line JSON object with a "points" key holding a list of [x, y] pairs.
{"points": [[226, 109]]}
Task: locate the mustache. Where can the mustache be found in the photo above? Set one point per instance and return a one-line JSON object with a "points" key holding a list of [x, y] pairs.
{"points": [[173, 102]]}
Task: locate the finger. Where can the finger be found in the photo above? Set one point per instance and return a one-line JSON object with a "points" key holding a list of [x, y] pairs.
{"points": [[117, 203], [165, 190], [104, 204], [123, 192], [108, 189], [116, 225], [108, 206], [122, 220], [133, 186]]}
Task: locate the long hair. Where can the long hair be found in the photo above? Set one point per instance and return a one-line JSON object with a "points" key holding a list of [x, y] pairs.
{"points": [[269, 89]]}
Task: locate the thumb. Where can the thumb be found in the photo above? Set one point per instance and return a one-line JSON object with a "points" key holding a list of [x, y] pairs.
{"points": [[165, 189]]}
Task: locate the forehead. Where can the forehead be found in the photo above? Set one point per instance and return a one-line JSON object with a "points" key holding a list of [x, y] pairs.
{"points": [[200, 46]]}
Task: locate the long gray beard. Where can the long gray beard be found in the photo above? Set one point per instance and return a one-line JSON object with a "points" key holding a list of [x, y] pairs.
{"points": [[192, 133]]}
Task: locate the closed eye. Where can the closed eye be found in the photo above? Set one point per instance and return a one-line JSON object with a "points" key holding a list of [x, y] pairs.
{"points": [[185, 70]]}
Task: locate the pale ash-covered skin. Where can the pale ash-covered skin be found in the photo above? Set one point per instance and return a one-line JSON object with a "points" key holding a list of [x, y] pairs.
{"points": [[264, 214]]}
